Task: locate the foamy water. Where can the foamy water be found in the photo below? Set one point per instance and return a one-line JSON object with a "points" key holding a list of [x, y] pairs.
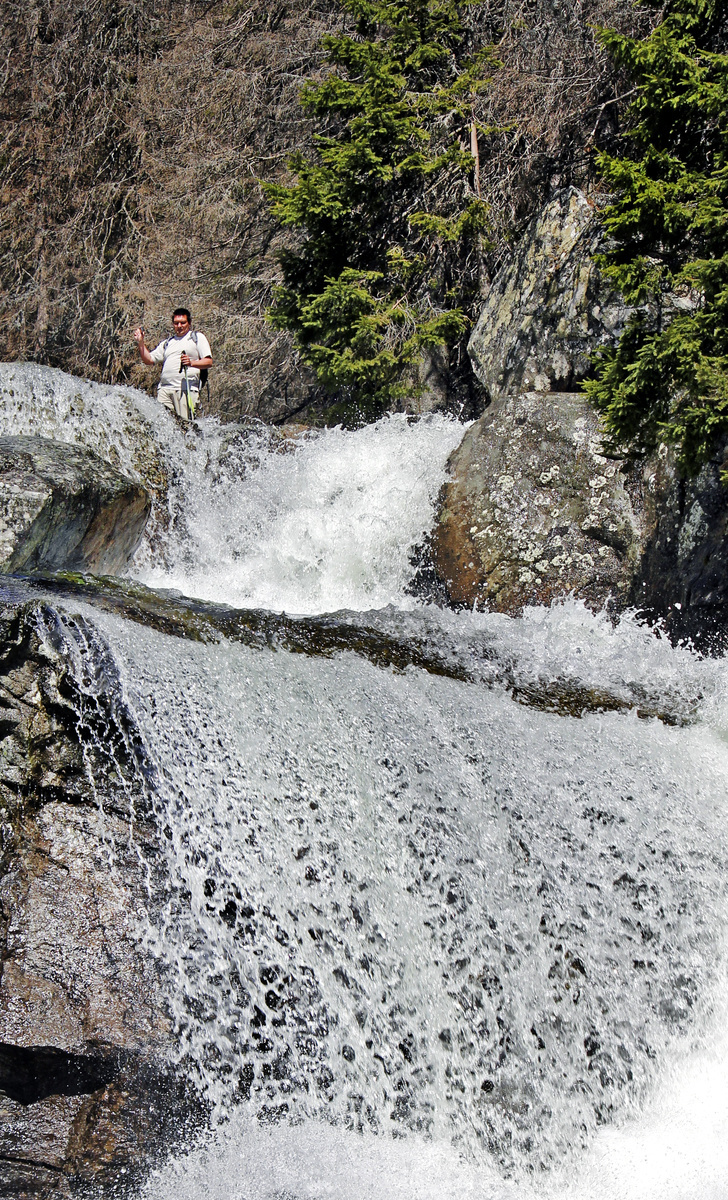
{"points": [[325, 524], [676, 1149], [324, 521], [421, 941]]}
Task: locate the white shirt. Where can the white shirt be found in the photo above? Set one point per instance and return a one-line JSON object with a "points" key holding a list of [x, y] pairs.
{"points": [[170, 352]]}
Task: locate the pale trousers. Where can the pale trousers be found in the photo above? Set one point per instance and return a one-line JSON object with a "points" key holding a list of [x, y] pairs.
{"points": [[174, 399]]}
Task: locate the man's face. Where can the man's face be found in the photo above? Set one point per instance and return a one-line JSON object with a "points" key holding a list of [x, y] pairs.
{"points": [[181, 325]]}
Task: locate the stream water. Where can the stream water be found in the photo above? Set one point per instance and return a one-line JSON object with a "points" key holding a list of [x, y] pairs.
{"points": [[422, 941]]}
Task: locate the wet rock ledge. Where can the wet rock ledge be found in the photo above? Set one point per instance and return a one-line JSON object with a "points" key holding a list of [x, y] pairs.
{"points": [[86, 1095]]}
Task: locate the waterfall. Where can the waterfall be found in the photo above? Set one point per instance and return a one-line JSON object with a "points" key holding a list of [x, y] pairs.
{"points": [[309, 524], [421, 940]]}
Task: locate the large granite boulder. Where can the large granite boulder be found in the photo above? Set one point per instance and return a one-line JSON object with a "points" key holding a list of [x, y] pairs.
{"points": [[86, 1095], [534, 512], [549, 307], [62, 507]]}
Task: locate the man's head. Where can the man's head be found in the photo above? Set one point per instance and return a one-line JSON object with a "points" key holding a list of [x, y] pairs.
{"points": [[182, 321]]}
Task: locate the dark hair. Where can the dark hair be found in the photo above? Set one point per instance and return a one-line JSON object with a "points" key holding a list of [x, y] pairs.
{"points": [[182, 312]]}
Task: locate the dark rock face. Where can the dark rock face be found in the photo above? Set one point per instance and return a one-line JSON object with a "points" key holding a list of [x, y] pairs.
{"points": [[683, 572], [535, 512], [549, 307], [86, 1096], [62, 507]]}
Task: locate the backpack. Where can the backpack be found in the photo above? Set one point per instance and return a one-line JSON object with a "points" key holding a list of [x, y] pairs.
{"points": [[204, 371]]}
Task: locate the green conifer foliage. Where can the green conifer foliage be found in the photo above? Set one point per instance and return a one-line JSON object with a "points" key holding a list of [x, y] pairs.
{"points": [[668, 377], [387, 264]]}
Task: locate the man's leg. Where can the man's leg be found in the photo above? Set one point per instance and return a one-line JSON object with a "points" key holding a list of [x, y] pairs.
{"points": [[166, 396], [172, 399], [181, 406]]}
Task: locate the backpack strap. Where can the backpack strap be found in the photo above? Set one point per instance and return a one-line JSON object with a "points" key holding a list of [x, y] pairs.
{"points": [[194, 339], [204, 371]]}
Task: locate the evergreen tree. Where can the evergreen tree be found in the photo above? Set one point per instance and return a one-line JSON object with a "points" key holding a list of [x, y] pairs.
{"points": [[387, 266], [668, 377]]}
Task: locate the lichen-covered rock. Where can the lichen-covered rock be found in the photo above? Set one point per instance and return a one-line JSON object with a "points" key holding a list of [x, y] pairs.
{"points": [[86, 1095], [549, 307], [62, 507], [534, 512]]}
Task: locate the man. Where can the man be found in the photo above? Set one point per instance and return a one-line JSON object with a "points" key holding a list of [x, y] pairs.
{"points": [[185, 349]]}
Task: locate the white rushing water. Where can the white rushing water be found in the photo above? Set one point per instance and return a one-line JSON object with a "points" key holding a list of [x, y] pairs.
{"points": [[421, 941], [319, 523]]}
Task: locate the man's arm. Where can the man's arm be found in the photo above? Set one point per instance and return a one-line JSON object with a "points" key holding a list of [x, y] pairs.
{"points": [[144, 354], [198, 363], [203, 361]]}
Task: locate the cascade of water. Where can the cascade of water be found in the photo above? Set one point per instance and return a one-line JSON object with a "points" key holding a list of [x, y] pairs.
{"points": [[320, 522], [400, 903], [410, 905]]}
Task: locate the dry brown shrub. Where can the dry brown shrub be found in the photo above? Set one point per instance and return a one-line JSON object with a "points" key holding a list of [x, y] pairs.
{"points": [[554, 98], [134, 135]]}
